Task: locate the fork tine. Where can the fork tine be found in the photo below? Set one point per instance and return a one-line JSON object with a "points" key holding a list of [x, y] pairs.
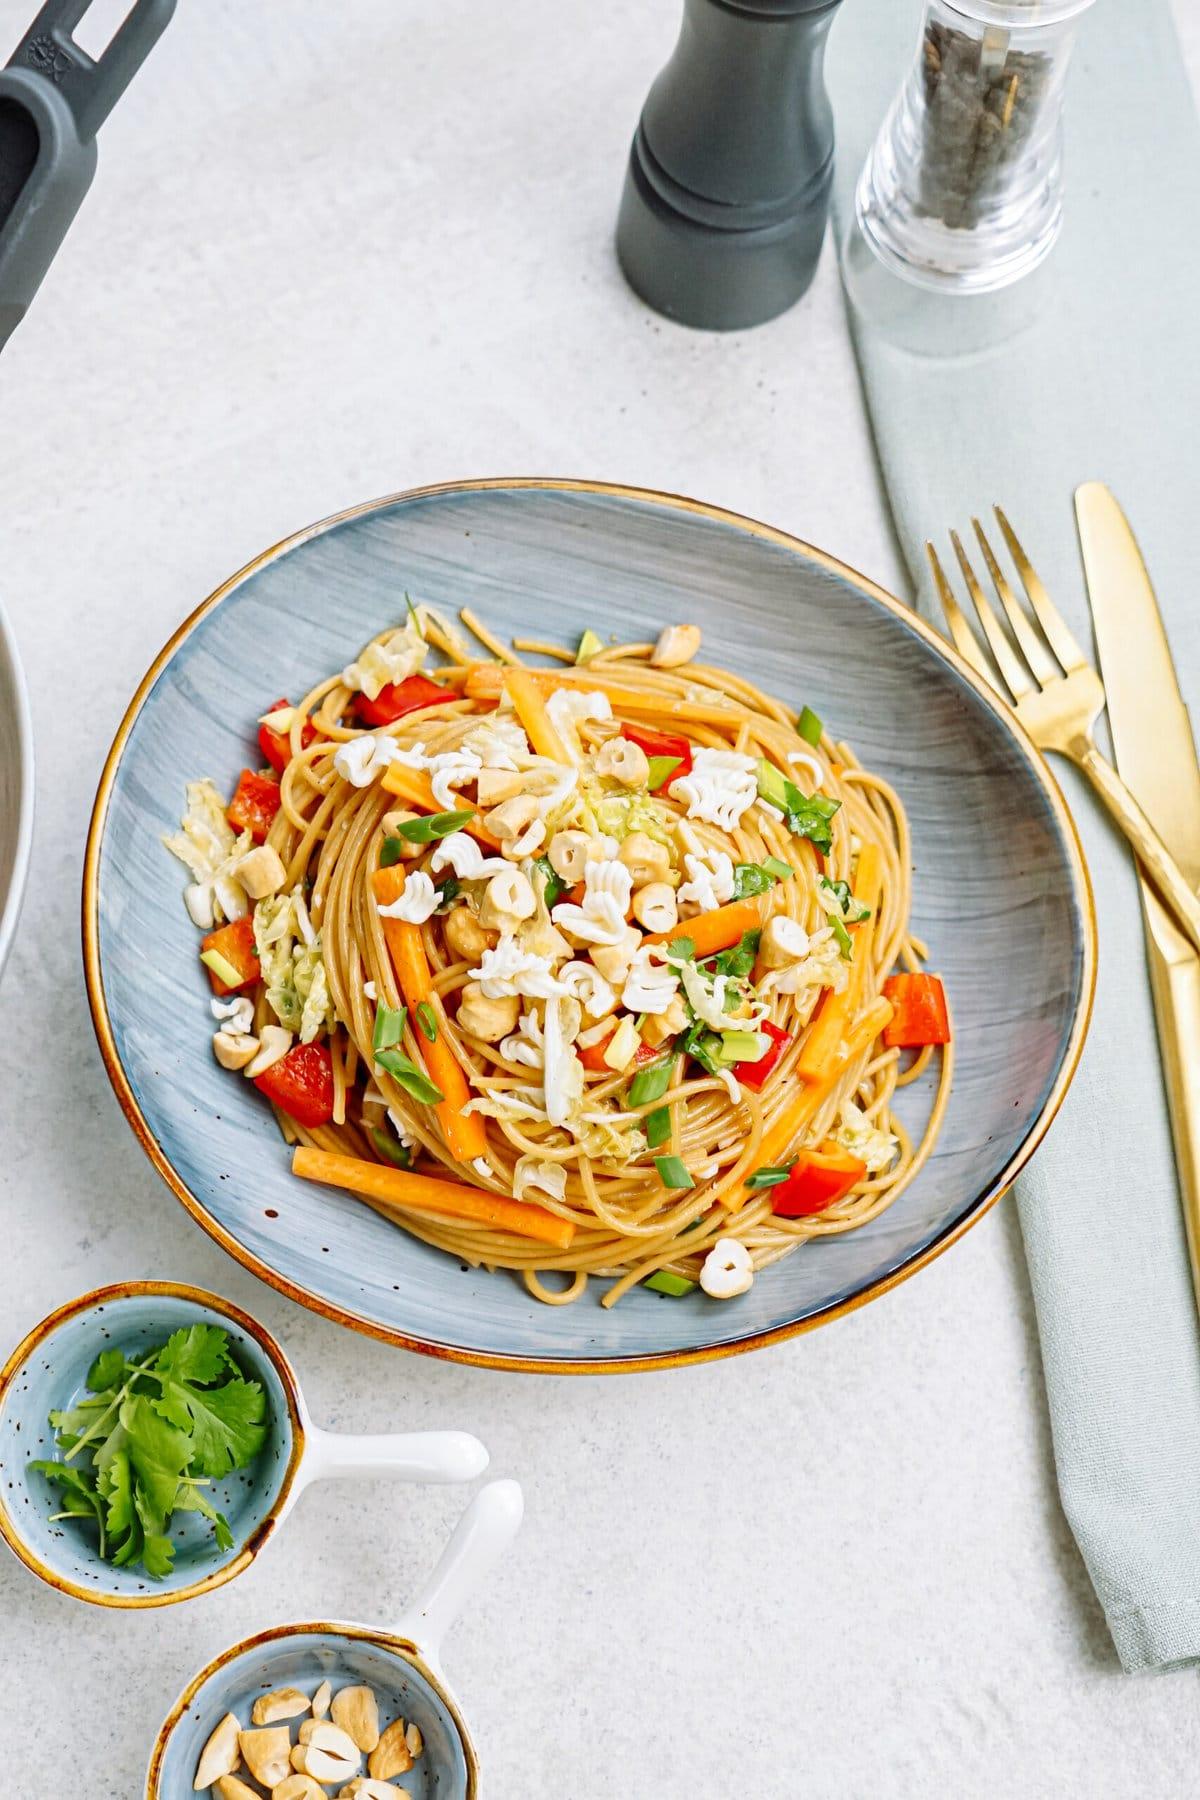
{"points": [[1031, 645], [1051, 620], [1014, 674], [965, 641]]}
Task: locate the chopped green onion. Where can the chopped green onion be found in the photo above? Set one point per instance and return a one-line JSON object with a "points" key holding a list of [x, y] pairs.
{"points": [[775, 865], [389, 1026], [661, 770], [767, 1178], [657, 1127], [427, 1020], [406, 1074], [845, 942], [555, 885], [393, 850], [589, 645], [651, 1083], [772, 784], [447, 892], [672, 1172], [809, 726], [664, 1282], [390, 1150], [742, 1046], [221, 967], [434, 825]]}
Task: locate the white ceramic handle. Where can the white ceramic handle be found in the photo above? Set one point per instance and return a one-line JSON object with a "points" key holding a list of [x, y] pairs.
{"points": [[402, 1456], [486, 1529]]}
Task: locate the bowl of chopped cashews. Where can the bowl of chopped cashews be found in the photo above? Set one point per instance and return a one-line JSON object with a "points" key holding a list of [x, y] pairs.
{"points": [[612, 955], [16, 787]]}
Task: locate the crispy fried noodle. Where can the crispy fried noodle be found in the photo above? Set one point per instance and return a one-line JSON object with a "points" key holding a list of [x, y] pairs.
{"points": [[602, 968]]}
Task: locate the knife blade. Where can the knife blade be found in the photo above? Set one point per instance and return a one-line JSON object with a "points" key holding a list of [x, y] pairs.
{"points": [[1155, 754]]}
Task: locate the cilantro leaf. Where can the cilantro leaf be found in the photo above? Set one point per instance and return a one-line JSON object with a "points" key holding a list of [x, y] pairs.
{"points": [[808, 815], [227, 1424], [195, 1353], [107, 1372], [158, 1453]]}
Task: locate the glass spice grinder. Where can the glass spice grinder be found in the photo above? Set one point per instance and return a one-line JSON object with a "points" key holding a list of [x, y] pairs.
{"points": [[963, 187]]}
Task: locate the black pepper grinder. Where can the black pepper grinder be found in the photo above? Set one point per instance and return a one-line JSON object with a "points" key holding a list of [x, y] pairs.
{"points": [[727, 190]]}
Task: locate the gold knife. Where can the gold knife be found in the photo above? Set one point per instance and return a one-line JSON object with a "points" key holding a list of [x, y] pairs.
{"points": [[1156, 756]]}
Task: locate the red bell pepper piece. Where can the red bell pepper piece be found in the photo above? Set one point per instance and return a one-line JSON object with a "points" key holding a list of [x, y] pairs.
{"points": [[819, 1179], [661, 743], [920, 1015], [236, 944], [400, 697], [593, 1056], [301, 1083], [276, 746], [753, 1074], [254, 804]]}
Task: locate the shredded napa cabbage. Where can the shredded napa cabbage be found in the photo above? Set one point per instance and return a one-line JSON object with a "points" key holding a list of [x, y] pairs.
{"points": [[292, 965], [861, 1137], [207, 844], [617, 814], [391, 658]]}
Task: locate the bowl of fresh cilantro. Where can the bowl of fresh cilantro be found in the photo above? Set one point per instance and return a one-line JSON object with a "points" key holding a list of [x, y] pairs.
{"points": [[150, 1439]]}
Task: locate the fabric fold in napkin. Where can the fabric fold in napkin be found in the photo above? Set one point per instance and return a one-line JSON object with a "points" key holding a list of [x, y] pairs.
{"points": [[1088, 370]]}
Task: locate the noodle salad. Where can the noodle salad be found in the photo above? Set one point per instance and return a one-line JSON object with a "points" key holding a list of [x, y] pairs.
{"points": [[597, 969]]}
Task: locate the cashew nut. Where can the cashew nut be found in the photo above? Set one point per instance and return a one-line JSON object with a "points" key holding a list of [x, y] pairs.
{"points": [[613, 960], [267, 1754], [391, 1755], [783, 941], [320, 1701], [414, 1740], [661, 1026], [624, 1045], [365, 1787], [676, 644], [332, 1737], [260, 871], [507, 899], [496, 785], [356, 1710], [274, 1043], [322, 1765], [646, 860], [465, 935], [625, 761], [297, 1787], [568, 854], [219, 1755], [234, 1049], [283, 1703], [388, 826], [655, 906], [507, 821], [230, 1788], [490, 1020]]}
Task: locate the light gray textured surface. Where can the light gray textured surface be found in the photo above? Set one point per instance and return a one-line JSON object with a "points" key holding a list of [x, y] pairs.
{"points": [[330, 253]]}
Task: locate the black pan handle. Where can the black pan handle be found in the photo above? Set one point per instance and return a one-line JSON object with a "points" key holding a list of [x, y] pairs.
{"points": [[91, 89]]}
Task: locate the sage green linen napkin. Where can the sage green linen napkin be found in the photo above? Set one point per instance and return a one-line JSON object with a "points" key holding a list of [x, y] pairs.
{"points": [[1089, 370]]}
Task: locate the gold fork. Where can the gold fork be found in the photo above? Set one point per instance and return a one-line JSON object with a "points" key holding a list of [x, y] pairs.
{"points": [[1056, 694]]}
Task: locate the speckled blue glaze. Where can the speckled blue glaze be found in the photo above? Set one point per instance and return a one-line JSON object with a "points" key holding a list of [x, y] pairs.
{"points": [[303, 1658], [999, 890], [54, 1374]]}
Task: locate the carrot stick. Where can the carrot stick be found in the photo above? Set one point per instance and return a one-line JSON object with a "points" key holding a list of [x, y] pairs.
{"points": [[713, 930], [415, 786], [425, 1193], [781, 1137], [465, 1133], [526, 697], [484, 682], [820, 1050]]}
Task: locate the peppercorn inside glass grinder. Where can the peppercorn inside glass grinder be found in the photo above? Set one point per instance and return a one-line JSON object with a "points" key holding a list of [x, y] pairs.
{"points": [[962, 189]]}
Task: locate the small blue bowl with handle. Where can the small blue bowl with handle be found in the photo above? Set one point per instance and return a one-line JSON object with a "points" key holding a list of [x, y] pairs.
{"points": [[48, 1371], [402, 1667]]}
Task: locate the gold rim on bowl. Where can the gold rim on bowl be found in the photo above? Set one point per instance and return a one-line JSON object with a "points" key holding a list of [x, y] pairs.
{"points": [[599, 1365]]}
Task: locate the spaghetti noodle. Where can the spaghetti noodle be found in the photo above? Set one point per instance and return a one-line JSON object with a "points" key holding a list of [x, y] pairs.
{"points": [[602, 969]]}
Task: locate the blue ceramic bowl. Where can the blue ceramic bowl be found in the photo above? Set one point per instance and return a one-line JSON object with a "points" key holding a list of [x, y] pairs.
{"points": [[48, 1370], [303, 1656], [1001, 892]]}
